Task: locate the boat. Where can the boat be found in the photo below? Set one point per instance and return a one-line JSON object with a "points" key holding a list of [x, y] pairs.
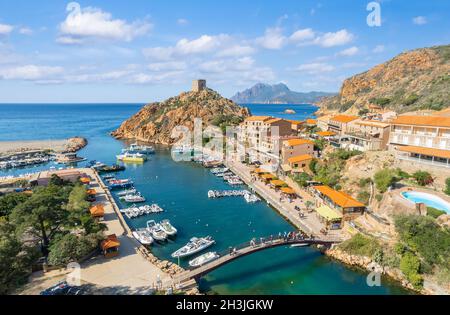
{"points": [[251, 198], [111, 169], [109, 177], [168, 228], [143, 236], [132, 157], [299, 245], [156, 231], [141, 149], [134, 198], [195, 246], [203, 259], [127, 192], [121, 185]]}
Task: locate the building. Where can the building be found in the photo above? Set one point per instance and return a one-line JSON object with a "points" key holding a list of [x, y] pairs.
{"points": [[326, 134], [297, 125], [366, 135], [311, 122], [424, 139], [330, 217], [198, 85], [71, 175], [263, 135], [338, 200], [295, 147], [300, 163], [322, 122], [340, 123]]}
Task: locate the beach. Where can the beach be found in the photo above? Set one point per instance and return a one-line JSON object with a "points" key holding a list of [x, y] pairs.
{"points": [[13, 147]]}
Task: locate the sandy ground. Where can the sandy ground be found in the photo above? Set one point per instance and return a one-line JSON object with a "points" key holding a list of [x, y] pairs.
{"points": [[23, 146]]}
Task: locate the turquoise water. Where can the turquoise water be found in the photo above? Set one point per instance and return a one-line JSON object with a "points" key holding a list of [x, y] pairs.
{"points": [[427, 199], [181, 189]]}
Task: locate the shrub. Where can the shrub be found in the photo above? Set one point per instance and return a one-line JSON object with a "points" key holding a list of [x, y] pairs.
{"points": [[363, 182], [447, 186], [364, 197], [302, 179], [434, 213], [361, 245], [410, 266], [379, 197], [384, 179], [423, 178]]}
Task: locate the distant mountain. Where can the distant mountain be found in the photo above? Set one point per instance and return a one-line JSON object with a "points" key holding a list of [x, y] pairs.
{"points": [[276, 94]]}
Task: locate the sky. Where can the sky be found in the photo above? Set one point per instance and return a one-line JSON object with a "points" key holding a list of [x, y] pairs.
{"points": [[140, 51]]}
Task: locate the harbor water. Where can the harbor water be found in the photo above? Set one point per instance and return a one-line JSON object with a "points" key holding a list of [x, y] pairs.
{"points": [[181, 189]]}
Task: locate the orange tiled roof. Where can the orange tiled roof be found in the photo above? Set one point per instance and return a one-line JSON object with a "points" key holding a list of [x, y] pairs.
{"points": [[445, 154], [273, 120], [97, 210], [326, 133], [300, 158], [288, 190], [278, 183], [311, 121], [433, 121], [296, 122], [110, 242], [344, 118], [338, 197], [294, 142], [258, 118]]}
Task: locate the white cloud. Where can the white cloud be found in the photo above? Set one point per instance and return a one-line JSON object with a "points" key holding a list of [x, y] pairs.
{"points": [[349, 51], [182, 22], [5, 29], [221, 66], [85, 23], [302, 35], [25, 31], [378, 49], [167, 66], [332, 39], [420, 20], [236, 50], [30, 72], [315, 68], [272, 39], [202, 45]]}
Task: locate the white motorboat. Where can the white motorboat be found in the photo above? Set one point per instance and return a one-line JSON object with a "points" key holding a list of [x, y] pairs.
{"points": [[195, 246], [141, 149], [134, 199], [143, 236], [156, 231], [127, 192], [251, 198], [211, 194], [168, 228], [203, 259], [156, 209]]}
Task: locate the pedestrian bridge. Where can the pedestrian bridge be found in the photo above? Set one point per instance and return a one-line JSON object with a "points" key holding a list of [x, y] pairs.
{"points": [[245, 250]]}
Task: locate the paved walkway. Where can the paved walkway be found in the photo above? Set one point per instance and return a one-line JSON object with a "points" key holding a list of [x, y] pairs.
{"points": [[309, 223]]}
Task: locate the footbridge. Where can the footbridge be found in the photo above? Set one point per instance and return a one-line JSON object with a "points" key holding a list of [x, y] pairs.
{"points": [[246, 249]]}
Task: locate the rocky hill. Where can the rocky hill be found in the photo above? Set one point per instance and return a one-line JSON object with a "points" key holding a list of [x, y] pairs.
{"points": [[414, 80], [155, 122], [276, 94]]}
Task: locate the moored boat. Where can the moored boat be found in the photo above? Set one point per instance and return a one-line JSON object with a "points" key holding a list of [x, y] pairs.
{"points": [[203, 259], [168, 228], [134, 198], [132, 157], [141, 149], [143, 236], [195, 246], [156, 231]]}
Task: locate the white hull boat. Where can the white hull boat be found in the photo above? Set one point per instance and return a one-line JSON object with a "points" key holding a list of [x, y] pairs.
{"points": [[251, 198], [127, 192], [203, 259], [143, 236], [134, 199], [195, 246], [168, 228], [156, 231]]}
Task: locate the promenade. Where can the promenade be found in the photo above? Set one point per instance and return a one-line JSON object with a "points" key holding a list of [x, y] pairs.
{"points": [[309, 223]]}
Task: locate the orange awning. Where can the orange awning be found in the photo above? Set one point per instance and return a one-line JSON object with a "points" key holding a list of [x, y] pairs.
{"points": [[111, 242], [85, 180], [445, 154], [278, 183], [260, 171], [288, 191], [97, 211], [267, 176], [91, 192]]}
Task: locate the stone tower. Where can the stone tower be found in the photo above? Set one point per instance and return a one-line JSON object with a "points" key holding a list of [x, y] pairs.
{"points": [[198, 85]]}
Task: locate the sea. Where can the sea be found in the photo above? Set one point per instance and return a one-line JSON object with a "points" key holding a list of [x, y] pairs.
{"points": [[181, 189]]}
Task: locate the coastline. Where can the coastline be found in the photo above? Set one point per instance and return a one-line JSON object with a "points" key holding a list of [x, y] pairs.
{"points": [[70, 145]]}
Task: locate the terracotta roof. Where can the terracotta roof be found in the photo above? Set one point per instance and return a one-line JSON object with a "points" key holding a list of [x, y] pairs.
{"points": [[344, 118], [267, 176], [311, 121], [326, 133], [294, 142], [85, 180], [445, 154], [273, 120], [278, 183], [288, 190], [258, 118], [300, 158], [260, 171], [97, 211], [111, 242], [433, 121], [296, 122], [91, 192], [338, 197]]}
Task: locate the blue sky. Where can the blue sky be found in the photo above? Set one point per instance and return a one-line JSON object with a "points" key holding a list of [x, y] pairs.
{"points": [[148, 50]]}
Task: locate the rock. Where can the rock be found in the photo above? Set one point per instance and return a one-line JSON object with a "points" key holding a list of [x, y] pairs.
{"points": [[75, 144]]}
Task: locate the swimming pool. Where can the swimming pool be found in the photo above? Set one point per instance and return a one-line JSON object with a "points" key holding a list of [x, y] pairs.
{"points": [[427, 199]]}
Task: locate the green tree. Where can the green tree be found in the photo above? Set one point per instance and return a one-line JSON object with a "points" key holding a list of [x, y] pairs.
{"points": [[423, 178], [69, 248], [15, 259], [410, 266], [319, 144], [447, 186], [384, 179], [302, 179], [313, 166], [10, 201]]}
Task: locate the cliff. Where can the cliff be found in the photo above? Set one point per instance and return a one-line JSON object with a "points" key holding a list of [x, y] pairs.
{"points": [[155, 122], [414, 80], [276, 94]]}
